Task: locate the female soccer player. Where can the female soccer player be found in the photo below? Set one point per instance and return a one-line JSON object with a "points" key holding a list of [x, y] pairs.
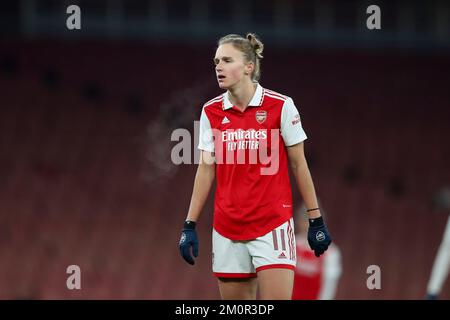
{"points": [[247, 136], [316, 278]]}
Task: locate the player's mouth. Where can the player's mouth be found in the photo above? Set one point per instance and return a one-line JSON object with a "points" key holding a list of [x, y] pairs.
{"points": [[220, 77]]}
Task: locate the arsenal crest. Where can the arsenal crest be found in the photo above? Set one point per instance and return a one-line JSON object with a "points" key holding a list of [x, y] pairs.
{"points": [[261, 116]]}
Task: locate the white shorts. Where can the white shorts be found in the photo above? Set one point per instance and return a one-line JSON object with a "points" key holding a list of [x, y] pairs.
{"points": [[242, 259]]}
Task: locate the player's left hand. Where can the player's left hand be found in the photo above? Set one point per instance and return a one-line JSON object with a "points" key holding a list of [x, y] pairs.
{"points": [[318, 236]]}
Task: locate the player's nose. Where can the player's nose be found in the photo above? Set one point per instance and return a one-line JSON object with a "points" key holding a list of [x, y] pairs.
{"points": [[219, 67]]}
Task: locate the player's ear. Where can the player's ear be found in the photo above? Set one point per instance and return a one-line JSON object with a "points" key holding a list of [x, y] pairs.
{"points": [[249, 67]]}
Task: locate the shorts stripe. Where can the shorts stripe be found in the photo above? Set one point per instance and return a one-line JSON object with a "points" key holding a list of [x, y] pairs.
{"points": [[275, 240], [283, 240], [276, 266], [294, 249], [289, 241], [291, 244]]}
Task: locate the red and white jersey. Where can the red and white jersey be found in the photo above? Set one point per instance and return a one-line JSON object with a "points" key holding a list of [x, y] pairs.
{"points": [[253, 194], [316, 278]]}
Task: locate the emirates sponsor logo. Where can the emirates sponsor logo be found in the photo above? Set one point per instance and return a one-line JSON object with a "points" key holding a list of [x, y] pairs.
{"points": [[240, 134]]}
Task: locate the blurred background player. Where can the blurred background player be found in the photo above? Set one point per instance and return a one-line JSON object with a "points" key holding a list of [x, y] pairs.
{"points": [[441, 264], [316, 278]]}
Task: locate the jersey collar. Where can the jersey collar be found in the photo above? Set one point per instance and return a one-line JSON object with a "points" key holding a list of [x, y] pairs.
{"points": [[255, 101]]}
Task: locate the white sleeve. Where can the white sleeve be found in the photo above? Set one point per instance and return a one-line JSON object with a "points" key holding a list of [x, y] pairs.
{"points": [[331, 273], [291, 125], [205, 139], [441, 264]]}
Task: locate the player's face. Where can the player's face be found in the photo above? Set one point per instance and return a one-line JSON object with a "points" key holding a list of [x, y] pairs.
{"points": [[230, 66]]}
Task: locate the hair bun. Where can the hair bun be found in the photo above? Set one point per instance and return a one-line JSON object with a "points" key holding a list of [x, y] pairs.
{"points": [[257, 45]]}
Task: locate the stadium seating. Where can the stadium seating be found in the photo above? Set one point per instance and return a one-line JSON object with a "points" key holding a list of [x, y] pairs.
{"points": [[79, 185]]}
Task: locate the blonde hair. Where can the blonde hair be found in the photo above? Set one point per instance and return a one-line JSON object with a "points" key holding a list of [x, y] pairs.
{"points": [[250, 46]]}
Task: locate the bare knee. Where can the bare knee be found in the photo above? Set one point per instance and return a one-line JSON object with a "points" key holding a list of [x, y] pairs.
{"points": [[237, 289]]}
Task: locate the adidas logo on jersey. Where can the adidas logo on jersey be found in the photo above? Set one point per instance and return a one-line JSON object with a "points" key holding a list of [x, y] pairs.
{"points": [[282, 256], [225, 120]]}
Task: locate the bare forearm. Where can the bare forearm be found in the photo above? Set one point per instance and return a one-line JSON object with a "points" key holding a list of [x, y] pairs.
{"points": [[202, 186], [306, 187]]}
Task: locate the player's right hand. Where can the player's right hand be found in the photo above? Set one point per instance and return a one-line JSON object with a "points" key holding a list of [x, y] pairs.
{"points": [[189, 239]]}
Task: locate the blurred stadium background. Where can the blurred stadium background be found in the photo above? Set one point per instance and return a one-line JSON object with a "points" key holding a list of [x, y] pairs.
{"points": [[86, 118]]}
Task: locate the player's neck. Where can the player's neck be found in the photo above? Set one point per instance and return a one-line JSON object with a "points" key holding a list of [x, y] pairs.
{"points": [[240, 96]]}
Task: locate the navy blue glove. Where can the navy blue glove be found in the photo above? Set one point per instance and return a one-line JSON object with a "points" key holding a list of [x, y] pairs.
{"points": [[318, 237], [189, 239]]}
